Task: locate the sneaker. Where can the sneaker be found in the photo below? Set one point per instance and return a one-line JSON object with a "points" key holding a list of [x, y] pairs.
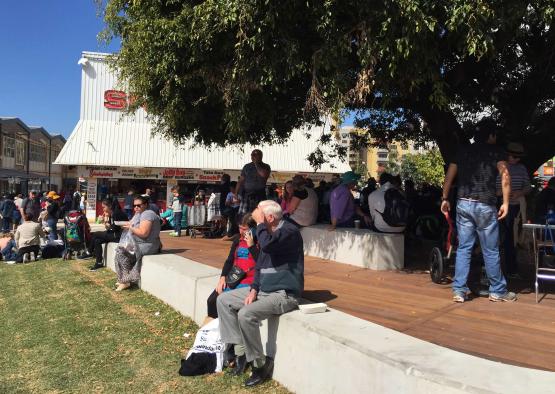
{"points": [[173, 234], [459, 297], [25, 258], [32, 256], [85, 256], [507, 297], [10, 262], [95, 267]]}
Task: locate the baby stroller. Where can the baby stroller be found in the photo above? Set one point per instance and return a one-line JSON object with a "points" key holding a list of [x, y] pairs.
{"points": [[76, 235]]}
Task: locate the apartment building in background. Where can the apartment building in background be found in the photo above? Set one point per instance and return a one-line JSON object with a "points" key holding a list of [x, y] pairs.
{"points": [[26, 157]]}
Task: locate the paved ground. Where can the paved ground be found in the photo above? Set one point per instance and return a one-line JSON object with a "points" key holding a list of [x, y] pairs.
{"points": [[519, 333]]}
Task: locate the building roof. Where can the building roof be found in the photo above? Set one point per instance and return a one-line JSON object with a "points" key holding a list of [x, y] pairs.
{"points": [[130, 144]]}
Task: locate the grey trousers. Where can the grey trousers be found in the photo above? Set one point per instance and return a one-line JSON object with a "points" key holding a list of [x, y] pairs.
{"points": [[240, 323]]}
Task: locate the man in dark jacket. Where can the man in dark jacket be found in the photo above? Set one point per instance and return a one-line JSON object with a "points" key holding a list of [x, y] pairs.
{"points": [[7, 208], [276, 289]]}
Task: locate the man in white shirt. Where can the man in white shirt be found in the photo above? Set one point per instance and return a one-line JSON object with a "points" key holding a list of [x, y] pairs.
{"points": [[376, 204]]}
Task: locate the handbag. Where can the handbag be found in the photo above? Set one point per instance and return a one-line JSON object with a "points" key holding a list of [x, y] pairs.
{"points": [[235, 276]]}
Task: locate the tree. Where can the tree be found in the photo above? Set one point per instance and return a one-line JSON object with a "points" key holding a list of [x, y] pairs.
{"points": [[423, 168], [251, 70]]}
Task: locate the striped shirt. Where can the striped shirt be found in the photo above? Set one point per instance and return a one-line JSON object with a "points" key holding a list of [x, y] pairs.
{"points": [[519, 180]]}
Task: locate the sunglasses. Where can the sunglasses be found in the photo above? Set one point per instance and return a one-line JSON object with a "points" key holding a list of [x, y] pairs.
{"points": [[137, 205]]}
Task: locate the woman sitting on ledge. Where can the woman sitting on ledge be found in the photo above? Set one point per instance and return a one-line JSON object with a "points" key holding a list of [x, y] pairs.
{"points": [[145, 230]]}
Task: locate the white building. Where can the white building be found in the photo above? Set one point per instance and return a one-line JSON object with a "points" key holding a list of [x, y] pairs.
{"points": [[113, 153]]}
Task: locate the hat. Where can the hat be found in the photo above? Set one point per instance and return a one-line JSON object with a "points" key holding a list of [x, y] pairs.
{"points": [[350, 177], [515, 149], [53, 195]]}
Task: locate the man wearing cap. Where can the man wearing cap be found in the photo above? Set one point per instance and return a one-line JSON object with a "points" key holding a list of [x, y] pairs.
{"points": [[476, 167], [343, 210], [520, 187], [30, 206]]}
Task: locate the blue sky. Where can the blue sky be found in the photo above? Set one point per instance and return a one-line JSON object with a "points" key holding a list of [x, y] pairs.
{"points": [[40, 44]]}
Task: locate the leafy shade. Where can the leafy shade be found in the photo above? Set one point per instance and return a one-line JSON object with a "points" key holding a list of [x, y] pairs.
{"points": [[251, 71], [423, 168]]}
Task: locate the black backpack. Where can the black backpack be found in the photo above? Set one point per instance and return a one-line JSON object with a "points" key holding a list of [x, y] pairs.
{"points": [[397, 208]]}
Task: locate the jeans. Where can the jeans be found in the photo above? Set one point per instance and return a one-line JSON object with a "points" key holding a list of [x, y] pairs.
{"points": [[6, 224], [7, 253], [475, 218], [53, 233], [507, 225], [177, 222]]}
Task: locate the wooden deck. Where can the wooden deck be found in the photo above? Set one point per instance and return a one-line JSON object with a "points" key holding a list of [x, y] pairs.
{"points": [[520, 333]]}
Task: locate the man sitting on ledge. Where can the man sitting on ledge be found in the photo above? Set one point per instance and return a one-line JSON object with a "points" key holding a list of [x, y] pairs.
{"points": [[277, 286]]}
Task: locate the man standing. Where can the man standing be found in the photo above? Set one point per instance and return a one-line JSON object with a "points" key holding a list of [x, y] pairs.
{"points": [[252, 183], [476, 168], [277, 286], [31, 206]]}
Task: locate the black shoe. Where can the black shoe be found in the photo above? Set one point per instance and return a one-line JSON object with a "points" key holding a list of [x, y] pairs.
{"points": [[96, 267], [240, 365], [260, 375], [85, 256]]}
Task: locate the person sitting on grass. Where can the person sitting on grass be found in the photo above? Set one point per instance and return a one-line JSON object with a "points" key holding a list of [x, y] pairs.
{"points": [[242, 254], [145, 229], [111, 234], [7, 248], [276, 288], [27, 239]]}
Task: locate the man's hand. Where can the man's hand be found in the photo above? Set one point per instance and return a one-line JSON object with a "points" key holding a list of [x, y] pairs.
{"points": [[258, 216], [445, 206], [221, 285], [251, 297], [503, 211]]}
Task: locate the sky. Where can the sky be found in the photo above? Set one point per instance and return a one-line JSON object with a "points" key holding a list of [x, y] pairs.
{"points": [[40, 44]]}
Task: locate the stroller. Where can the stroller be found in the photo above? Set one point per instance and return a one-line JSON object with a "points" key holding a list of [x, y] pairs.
{"points": [[76, 235]]}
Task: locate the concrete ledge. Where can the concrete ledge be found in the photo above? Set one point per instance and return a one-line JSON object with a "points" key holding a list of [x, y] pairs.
{"points": [[334, 352], [359, 247]]}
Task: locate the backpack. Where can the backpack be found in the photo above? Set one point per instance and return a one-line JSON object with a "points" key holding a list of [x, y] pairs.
{"points": [[72, 233], [397, 208]]}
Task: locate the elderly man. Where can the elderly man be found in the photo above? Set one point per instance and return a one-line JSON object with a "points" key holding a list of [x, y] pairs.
{"points": [[252, 183], [277, 286], [31, 206]]}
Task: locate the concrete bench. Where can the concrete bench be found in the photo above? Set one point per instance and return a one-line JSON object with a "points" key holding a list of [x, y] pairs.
{"points": [[359, 247], [334, 352]]}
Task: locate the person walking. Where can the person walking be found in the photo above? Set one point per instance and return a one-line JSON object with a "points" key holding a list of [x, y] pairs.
{"points": [[476, 167]]}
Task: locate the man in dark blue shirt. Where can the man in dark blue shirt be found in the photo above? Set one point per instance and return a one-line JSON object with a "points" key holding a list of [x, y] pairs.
{"points": [[277, 286]]}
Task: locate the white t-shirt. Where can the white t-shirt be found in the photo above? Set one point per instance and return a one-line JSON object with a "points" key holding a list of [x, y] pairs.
{"points": [[376, 203]]}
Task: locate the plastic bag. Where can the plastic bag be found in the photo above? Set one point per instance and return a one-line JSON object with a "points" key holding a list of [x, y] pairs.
{"points": [[127, 242]]}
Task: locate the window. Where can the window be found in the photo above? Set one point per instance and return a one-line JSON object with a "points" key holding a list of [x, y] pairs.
{"points": [[19, 153], [37, 153], [9, 147], [382, 155]]}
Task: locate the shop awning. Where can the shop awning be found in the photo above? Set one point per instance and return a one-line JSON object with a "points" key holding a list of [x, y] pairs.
{"points": [[130, 144], [6, 173]]}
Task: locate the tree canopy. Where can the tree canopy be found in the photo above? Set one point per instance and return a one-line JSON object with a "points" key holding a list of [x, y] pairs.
{"points": [[229, 71]]}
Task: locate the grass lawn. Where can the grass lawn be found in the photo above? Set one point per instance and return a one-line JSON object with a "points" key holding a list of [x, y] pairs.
{"points": [[63, 329]]}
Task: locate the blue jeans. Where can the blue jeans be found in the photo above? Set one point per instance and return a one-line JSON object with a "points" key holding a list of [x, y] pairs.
{"points": [[475, 218], [7, 253], [177, 222], [53, 233]]}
